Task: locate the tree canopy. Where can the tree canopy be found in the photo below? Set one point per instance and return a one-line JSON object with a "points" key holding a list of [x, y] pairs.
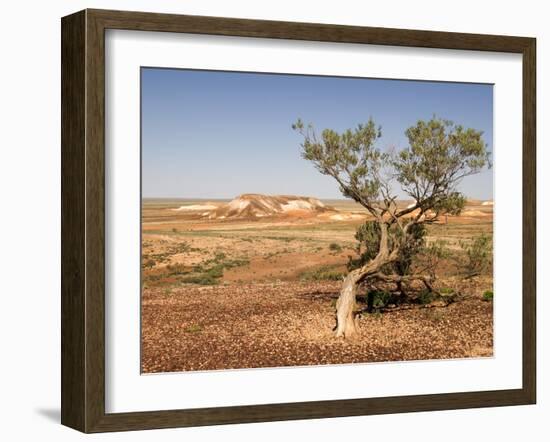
{"points": [[438, 156]]}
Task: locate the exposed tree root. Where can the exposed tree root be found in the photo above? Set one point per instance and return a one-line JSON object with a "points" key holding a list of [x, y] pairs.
{"points": [[399, 280]]}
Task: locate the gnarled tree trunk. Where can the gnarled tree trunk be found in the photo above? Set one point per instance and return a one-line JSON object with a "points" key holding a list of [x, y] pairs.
{"points": [[346, 304]]}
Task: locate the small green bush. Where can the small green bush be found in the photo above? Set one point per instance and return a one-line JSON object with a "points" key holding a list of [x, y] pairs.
{"points": [[488, 295], [368, 237], [176, 269], [446, 291], [203, 279], [220, 256], [150, 263], [477, 256], [426, 297], [229, 264], [379, 298], [216, 271], [325, 273], [210, 272], [194, 328], [335, 247]]}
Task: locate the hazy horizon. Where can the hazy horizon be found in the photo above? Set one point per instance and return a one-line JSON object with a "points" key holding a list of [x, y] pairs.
{"points": [[185, 198], [220, 134]]}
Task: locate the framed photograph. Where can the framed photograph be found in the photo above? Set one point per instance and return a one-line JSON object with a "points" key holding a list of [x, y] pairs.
{"points": [[268, 220]]}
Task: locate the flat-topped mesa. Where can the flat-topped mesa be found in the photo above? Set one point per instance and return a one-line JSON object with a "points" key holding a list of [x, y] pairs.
{"points": [[252, 205]]}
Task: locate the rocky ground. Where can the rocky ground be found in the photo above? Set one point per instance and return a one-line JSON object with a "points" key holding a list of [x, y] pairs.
{"points": [[289, 323]]}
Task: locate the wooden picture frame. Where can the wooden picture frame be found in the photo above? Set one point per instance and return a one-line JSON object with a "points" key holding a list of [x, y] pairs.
{"points": [[83, 220]]}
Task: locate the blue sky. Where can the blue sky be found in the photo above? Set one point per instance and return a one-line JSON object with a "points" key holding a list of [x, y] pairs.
{"points": [[208, 134]]}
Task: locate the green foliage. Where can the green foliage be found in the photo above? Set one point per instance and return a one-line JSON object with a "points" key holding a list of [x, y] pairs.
{"points": [[377, 299], [325, 273], [431, 255], [477, 257], [351, 157], [439, 155], [368, 237], [446, 291], [335, 247], [194, 328], [176, 269], [209, 272], [219, 256], [452, 204], [488, 295], [152, 259], [207, 277], [411, 245], [368, 244], [426, 297], [149, 264]]}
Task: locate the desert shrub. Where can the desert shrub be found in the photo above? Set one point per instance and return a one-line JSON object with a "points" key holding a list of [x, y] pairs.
{"points": [[182, 247], [413, 244], [211, 271], [176, 269], [325, 273], [446, 291], [426, 297], [215, 272], [429, 257], [281, 238], [368, 244], [203, 279], [488, 295], [149, 264], [198, 268], [219, 256], [152, 278], [377, 299], [335, 247], [194, 328], [477, 256], [229, 264]]}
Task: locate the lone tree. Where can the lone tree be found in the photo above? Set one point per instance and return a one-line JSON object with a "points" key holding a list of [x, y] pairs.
{"points": [[439, 155]]}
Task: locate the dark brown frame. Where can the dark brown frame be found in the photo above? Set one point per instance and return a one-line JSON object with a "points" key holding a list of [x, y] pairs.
{"points": [[83, 216]]}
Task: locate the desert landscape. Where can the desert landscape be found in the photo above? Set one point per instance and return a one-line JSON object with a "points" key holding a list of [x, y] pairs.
{"points": [[253, 282], [297, 220]]}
